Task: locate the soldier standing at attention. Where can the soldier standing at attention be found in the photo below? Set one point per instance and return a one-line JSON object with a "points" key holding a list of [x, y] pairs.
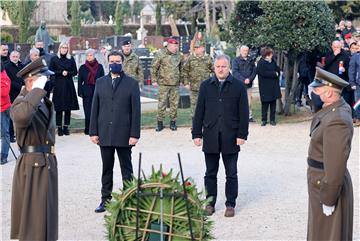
{"points": [[34, 202], [166, 73], [132, 65], [329, 182], [196, 69]]}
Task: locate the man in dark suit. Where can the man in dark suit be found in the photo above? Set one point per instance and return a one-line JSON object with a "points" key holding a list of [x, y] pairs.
{"points": [[222, 120], [12, 68], [115, 122]]}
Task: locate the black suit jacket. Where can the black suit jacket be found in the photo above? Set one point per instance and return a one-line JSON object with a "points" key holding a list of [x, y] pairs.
{"points": [[16, 82], [115, 113], [224, 111]]}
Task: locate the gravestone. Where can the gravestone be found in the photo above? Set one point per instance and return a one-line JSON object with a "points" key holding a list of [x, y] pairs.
{"points": [[81, 43], [116, 40], [154, 41]]}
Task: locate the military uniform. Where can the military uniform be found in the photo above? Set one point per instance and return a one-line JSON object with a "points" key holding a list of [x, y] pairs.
{"points": [[196, 69], [34, 203], [133, 68], [329, 182], [166, 71]]}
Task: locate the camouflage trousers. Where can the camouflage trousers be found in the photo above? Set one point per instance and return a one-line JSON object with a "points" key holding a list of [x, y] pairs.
{"points": [[193, 100], [165, 92]]}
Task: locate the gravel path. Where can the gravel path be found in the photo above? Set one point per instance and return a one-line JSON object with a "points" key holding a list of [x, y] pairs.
{"points": [[272, 202]]}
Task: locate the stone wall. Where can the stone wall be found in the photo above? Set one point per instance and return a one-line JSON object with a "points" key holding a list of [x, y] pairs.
{"points": [[95, 31]]}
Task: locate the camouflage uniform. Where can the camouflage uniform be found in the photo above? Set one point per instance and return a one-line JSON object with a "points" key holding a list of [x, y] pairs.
{"points": [[166, 71], [132, 67], [196, 69]]}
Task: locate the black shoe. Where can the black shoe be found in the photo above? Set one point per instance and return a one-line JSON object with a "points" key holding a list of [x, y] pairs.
{"points": [[66, 131], [100, 208], [173, 126], [273, 123], [3, 162], [160, 126], [86, 132], [60, 131], [251, 119], [12, 139], [263, 123]]}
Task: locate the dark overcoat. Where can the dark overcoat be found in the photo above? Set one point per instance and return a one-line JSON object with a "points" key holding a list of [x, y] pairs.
{"points": [[34, 203], [64, 94], [225, 111], [331, 135], [115, 112], [268, 76], [84, 89], [16, 82]]}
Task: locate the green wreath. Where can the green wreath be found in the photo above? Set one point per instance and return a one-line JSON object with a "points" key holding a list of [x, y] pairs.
{"points": [[121, 223]]}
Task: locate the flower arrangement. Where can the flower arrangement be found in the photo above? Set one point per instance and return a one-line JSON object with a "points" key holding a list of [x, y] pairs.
{"points": [[121, 223]]}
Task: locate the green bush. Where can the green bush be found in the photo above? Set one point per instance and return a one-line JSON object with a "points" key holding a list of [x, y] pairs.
{"points": [[31, 40], [6, 37]]}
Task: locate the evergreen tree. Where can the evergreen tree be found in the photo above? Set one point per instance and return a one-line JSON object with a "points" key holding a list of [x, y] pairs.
{"points": [[118, 19], [24, 17], [158, 18], [75, 18]]}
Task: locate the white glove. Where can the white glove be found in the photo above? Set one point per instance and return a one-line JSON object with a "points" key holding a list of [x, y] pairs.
{"points": [[328, 210], [40, 82]]}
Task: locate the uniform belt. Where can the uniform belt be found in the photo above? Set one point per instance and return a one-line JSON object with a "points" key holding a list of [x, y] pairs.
{"points": [[315, 164], [39, 148]]}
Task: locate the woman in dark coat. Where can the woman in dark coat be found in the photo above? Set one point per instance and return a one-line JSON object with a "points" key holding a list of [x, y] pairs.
{"points": [[88, 74], [64, 94], [268, 75]]}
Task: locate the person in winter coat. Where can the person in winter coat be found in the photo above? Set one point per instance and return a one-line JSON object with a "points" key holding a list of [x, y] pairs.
{"points": [[337, 62], [243, 68], [268, 75], [12, 68], [5, 114], [64, 94], [88, 74]]}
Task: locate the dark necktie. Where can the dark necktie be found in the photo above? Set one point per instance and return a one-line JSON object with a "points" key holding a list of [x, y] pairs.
{"points": [[114, 83]]}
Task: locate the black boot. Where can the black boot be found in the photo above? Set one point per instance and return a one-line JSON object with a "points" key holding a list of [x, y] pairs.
{"points": [[66, 131], [173, 126], [160, 126], [60, 131]]}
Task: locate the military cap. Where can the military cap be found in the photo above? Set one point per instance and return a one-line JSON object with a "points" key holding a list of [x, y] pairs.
{"points": [[126, 42], [172, 41], [325, 78], [38, 66], [356, 34], [199, 43]]}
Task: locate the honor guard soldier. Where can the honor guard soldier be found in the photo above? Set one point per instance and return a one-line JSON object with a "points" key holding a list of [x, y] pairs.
{"points": [[34, 203], [329, 182]]}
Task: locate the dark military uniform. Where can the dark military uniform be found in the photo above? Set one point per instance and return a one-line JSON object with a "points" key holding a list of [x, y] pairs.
{"points": [[196, 70], [166, 71], [133, 68], [329, 181], [34, 203]]}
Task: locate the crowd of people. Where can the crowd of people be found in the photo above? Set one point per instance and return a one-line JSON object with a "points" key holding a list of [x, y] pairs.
{"points": [[220, 109]]}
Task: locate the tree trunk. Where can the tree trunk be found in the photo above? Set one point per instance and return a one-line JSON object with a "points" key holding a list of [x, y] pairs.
{"points": [[158, 18], [291, 82], [207, 17], [213, 12]]}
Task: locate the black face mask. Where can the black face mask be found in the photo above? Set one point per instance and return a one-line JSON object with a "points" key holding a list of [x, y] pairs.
{"points": [[316, 102], [41, 51]]}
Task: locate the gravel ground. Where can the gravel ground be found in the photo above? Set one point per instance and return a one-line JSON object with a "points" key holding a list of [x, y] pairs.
{"points": [[272, 202]]}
